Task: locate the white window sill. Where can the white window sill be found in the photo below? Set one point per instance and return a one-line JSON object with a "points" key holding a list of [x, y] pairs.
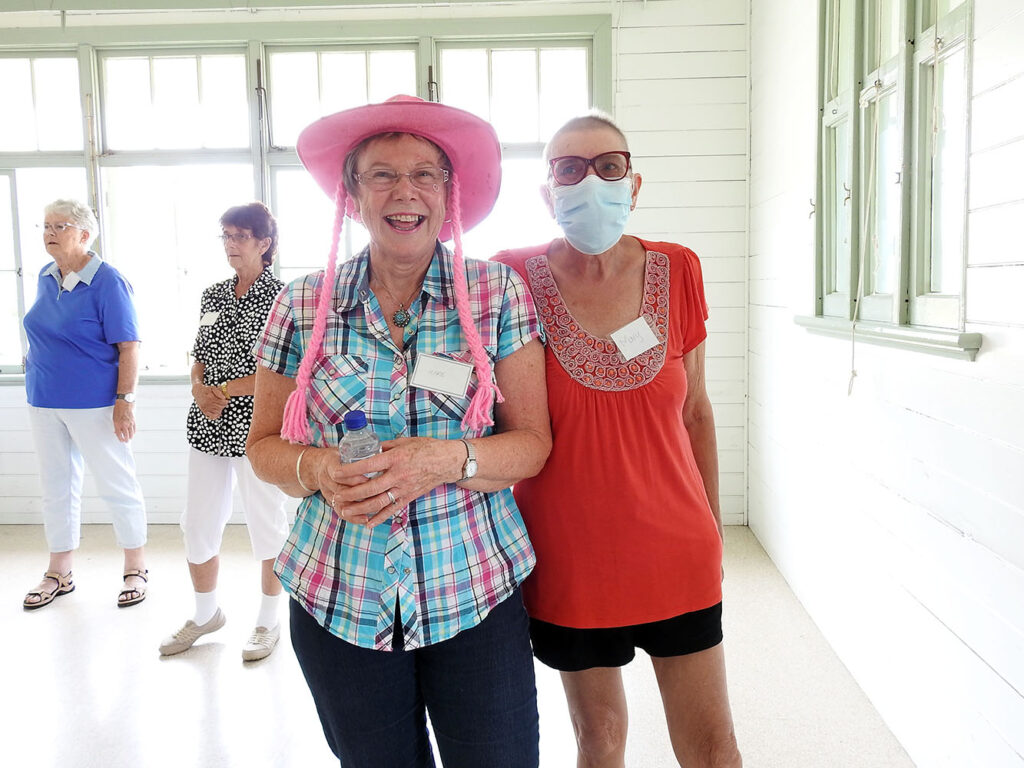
{"points": [[932, 341]]}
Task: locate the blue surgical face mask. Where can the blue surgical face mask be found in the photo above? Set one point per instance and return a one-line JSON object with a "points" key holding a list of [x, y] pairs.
{"points": [[593, 213]]}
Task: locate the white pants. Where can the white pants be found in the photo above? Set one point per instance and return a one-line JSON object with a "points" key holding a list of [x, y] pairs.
{"points": [[64, 437], [208, 508]]}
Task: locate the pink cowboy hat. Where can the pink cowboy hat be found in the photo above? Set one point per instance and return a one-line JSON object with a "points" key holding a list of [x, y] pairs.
{"points": [[470, 143]]}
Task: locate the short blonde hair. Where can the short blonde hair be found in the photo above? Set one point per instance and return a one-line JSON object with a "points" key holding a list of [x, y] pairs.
{"points": [[78, 215]]}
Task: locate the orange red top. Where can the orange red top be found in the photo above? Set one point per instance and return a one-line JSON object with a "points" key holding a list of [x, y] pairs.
{"points": [[618, 517]]}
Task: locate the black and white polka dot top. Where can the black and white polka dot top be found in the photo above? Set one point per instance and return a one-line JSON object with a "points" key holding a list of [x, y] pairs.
{"points": [[228, 328]]}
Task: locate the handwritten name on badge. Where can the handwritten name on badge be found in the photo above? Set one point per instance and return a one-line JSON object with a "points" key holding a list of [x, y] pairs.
{"points": [[440, 374], [634, 338], [209, 318]]}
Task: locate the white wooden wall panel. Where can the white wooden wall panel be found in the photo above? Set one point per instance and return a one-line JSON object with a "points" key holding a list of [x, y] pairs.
{"points": [[895, 512], [669, 39]]}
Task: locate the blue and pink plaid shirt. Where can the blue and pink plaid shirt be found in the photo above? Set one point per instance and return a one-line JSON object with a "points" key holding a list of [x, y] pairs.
{"points": [[456, 553]]}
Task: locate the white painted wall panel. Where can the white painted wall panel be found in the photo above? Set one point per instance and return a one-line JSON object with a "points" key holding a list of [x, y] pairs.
{"points": [[669, 39], [895, 512]]}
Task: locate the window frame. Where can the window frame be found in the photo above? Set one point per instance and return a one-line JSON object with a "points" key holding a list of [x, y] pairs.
{"points": [[909, 309]]}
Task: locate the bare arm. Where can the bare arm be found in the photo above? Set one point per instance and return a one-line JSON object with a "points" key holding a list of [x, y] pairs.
{"points": [[699, 421], [127, 377], [272, 458]]}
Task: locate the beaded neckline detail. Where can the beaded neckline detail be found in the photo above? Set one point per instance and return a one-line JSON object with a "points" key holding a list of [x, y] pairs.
{"points": [[594, 361]]}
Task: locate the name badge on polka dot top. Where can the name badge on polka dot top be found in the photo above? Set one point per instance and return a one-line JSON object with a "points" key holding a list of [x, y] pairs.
{"points": [[209, 318]]}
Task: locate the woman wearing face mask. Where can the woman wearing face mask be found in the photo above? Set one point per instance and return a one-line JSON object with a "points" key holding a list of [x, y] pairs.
{"points": [[624, 516]]}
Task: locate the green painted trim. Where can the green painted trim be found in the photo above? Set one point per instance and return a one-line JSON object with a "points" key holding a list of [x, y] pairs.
{"points": [[934, 341], [321, 31], [601, 87]]}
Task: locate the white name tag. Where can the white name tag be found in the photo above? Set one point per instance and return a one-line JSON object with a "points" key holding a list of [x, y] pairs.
{"points": [[440, 374], [71, 281], [635, 339], [209, 318]]}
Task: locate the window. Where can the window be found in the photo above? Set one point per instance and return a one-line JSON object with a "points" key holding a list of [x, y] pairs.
{"points": [[893, 161], [161, 139], [526, 92]]}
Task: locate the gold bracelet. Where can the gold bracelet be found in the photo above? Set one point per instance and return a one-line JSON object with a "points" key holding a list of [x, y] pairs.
{"points": [[298, 474], [224, 389]]}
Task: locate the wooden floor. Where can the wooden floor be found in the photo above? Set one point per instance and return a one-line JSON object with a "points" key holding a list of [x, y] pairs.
{"points": [[84, 685]]}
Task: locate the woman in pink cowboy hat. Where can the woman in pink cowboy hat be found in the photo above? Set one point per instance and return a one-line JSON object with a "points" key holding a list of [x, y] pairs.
{"points": [[404, 568]]}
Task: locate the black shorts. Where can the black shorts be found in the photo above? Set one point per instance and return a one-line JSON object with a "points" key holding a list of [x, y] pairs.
{"points": [[570, 650]]}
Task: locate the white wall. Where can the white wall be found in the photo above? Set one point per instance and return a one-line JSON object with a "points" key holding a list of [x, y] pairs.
{"points": [[681, 94], [896, 513]]}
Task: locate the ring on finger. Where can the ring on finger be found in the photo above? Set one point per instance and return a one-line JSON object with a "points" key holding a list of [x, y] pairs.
{"points": [[391, 496]]}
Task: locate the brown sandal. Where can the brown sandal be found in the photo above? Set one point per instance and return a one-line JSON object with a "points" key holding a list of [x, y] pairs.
{"points": [[64, 585], [139, 592]]}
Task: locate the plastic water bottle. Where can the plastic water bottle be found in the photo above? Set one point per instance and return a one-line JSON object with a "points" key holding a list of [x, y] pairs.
{"points": [[359, 441]]}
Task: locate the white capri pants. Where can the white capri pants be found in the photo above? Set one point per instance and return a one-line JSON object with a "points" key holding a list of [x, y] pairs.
{"points": [[208, 507], [68, 438]]}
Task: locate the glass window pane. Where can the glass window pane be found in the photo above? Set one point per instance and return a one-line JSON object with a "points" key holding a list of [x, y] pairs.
{"points": [[162, 235], [948, 181], [176, 103], [7, 260], [519, 210], [38, 187], [888, 33], [843, 29], [838, 214], [343, 81], [16, 96], [304, 219], [885, 241], [391, 73], [127, 104], [10, 332], [224, 102], [514, 95], [564, 92], [464, 80], [58, 104], [10, 320], [294, 95]]}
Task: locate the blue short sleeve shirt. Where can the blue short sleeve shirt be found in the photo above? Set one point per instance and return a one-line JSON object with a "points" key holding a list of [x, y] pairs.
{"points": [[73, 330]]}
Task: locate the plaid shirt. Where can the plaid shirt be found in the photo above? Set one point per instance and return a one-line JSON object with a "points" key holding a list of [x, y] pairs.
{"points": [[456, 553]]}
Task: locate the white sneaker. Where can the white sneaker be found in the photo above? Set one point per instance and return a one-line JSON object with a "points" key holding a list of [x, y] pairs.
{"points": [[261, 643], [183, 639]]}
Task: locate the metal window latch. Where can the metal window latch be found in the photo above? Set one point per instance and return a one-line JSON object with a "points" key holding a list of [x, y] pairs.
{"points": [[813, 207], [848, 193]]}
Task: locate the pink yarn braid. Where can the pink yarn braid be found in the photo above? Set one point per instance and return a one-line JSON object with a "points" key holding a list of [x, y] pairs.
{"points": [[295, 424], [478, 415]]}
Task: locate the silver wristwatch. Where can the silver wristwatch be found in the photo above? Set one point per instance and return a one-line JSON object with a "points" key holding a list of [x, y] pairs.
{"points": [[470, 467], [128, 397]]}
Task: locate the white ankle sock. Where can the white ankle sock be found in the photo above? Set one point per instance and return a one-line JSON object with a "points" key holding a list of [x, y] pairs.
{"points": [[268, 611], [206, 607]]}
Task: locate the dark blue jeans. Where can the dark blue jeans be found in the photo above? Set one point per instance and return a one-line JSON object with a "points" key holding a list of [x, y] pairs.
{"points": [[478, 687]]}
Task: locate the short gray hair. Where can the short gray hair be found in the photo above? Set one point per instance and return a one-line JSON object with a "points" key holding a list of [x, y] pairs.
{"points": [[78, 215], [593, 119]]}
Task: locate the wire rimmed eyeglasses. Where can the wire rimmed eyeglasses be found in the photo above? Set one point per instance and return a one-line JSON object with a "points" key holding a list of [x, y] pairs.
{"points": [[56, 228], [384, 179], [235, 237], [571, 169]]}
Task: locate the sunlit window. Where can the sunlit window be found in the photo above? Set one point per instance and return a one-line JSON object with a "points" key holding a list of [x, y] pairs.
{"points": [[175, 101], [163, 235], [306, 85], [526, 93], [42, 105]]}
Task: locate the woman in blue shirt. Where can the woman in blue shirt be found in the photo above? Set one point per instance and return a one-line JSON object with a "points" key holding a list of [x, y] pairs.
{"points": [[80, 376]]}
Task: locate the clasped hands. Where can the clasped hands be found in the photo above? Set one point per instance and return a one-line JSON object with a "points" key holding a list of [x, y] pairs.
{"points": [[407, 468]]}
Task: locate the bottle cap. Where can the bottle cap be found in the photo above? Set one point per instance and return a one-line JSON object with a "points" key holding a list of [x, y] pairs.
{"points": [[355, 420]]}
